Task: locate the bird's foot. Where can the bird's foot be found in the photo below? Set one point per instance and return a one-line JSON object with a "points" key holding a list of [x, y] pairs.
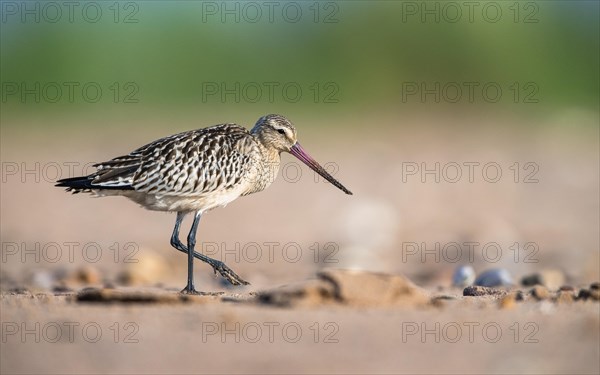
{"points": [[228, 273], [190, 290]]}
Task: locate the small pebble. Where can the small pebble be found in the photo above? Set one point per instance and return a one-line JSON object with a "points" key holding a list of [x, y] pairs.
{"points": [[551, 279], [494, 277], [584, 294], [61, 288], [88, 275], [43, 280], [145, 270], [540, 292], [519, 295], [476, 291], [508, 302], [463, 276], [19, 290], [565, 297]]}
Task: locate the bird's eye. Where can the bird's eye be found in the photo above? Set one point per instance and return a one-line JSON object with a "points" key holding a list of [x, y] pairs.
{"points": [[281, 131]]}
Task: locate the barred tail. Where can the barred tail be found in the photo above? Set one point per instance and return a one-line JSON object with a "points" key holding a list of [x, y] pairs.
{"points": [[84, 184]]}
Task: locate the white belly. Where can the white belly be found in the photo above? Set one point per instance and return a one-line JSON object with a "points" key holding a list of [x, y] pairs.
{"points": [[175, 203]]}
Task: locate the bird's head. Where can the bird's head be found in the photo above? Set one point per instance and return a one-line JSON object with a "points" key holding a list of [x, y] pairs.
{"points": [[275, 132], [278, 133]]}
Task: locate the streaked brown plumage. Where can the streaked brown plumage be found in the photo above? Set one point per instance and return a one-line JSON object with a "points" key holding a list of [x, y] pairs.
{"points": [[197, 171]]}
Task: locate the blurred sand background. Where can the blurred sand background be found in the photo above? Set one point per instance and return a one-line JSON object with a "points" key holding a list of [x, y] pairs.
{"points": [[369, 138]]}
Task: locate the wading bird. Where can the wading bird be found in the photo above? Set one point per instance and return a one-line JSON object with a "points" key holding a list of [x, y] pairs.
{"points": [[196, 171]]}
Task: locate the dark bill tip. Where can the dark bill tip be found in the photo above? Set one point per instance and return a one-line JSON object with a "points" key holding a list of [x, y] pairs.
{"points": [[304, 157]]}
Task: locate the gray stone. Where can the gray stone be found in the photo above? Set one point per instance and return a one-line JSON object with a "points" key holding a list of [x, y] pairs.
{"points": [[463, 276], [494, 278]]}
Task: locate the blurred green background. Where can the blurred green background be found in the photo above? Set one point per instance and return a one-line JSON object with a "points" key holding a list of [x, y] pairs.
{"points": [[344, 56]]}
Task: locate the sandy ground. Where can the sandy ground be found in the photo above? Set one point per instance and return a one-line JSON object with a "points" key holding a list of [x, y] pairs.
{"points": [[297, 227], [217, 335]]}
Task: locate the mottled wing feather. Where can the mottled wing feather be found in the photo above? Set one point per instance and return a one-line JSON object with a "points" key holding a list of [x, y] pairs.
{"points": [[196, 162], [190, 163]]}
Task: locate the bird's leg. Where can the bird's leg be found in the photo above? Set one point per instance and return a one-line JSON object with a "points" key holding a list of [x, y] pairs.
{"points": [[176, 243], [225, 271], [191, 241]]}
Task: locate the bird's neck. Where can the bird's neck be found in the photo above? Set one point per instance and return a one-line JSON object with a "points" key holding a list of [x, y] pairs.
{"points": [[269, 153], [267, 167]]}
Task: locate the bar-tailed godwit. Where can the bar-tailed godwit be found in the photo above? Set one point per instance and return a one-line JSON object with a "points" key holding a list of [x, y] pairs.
{"points": [[196, 171]]}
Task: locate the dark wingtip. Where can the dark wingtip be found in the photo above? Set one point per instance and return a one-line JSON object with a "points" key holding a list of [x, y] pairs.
{"points": [[74, 183], [60, 183], [84, 184]]}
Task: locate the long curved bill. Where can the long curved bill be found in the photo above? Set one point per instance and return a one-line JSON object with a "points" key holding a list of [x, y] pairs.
{"points": [[299, 152]]}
